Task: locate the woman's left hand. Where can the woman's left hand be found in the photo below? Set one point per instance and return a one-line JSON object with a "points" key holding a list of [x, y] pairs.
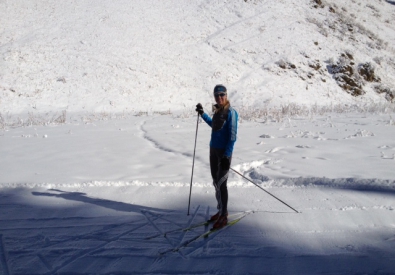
{"points": [[225, 163]]}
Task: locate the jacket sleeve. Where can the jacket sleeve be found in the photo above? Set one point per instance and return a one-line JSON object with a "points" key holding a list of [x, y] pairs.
{"points": [[232, 128], [207, 119]]}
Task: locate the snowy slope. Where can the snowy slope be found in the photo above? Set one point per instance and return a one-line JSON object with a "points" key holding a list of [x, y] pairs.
{"points": [[131, 56]]}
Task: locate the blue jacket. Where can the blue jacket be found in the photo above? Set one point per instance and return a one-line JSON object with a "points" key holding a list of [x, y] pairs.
{"points": [[224, 129]]}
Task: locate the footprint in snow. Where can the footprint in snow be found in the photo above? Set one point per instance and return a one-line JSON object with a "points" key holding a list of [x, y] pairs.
{"points": [[303, 146], [384, 156], [385, 147], [266, 136], [360, 133], [276, 149]]}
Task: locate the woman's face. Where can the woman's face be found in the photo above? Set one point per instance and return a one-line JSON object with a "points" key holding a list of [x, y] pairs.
{"points": [[221, 98]]}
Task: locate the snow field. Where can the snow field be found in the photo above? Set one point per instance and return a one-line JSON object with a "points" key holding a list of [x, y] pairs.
{"points": [[91, 208]]}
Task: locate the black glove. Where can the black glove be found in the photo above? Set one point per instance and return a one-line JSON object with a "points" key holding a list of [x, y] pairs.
{"points": [[199, 109], [225, 163]]}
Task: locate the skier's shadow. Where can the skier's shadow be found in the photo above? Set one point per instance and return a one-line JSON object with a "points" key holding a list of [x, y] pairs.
{"points": [[114, 205]]}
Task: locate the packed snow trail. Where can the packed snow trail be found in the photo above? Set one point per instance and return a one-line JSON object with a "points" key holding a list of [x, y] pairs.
{"points": [[63, 234], [84, 210]]}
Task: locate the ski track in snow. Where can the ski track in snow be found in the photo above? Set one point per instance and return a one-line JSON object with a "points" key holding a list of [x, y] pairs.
{"points": [[3, 257], [100, 243], [159, 145], [111, 249], [96, 241], [114, 244], [152, 141]]}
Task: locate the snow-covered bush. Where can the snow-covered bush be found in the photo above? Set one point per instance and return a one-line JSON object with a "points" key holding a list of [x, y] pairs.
{"points": [[344, 72], [2, 122], [285, 65], [387, 91], [366, 70], [281, 113], [32, 119]]}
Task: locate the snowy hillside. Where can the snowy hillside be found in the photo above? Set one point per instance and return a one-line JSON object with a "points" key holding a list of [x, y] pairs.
{"points": [[97, 127], [131, 56]]}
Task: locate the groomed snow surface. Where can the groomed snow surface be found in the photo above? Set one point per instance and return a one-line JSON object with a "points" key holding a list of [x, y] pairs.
{"points": [[81, 198], [97, 130]]}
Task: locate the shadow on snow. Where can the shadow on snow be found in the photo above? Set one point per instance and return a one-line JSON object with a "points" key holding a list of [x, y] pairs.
{"points": [[82, 197], [99, 236], [363, 185]]}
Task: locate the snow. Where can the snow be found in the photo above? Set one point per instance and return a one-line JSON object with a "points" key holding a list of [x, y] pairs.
{"points": [[122, 56], [97, 127], [86, 197]]}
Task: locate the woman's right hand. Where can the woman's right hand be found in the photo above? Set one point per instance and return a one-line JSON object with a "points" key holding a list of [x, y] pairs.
{"points": [[199, 109]]}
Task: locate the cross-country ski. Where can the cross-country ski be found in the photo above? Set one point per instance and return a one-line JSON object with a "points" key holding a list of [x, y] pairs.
{"points": [[191, 227], [208, 233]]}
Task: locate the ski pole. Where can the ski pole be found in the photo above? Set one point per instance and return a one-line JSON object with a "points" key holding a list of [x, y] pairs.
{"points": [[193, 163], [263, 189]]}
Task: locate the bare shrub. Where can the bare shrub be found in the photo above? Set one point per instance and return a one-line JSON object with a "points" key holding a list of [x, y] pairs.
{"points": [[321, 26], [317, 4], [315, 65], [285, 65], [366, 70], [168, 112], [344, 73], [32, 119], [2, 122], [387, 91], [61, 119], [285, 112]]}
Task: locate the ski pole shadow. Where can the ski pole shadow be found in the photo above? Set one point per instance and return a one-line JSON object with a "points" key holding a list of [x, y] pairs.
{"points": [[114, 205]]}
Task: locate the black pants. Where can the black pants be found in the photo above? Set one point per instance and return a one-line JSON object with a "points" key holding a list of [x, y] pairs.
{"points": [[220, 179]]}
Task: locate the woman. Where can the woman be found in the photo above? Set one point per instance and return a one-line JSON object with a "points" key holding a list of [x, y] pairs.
{"points": [[223, 138]]}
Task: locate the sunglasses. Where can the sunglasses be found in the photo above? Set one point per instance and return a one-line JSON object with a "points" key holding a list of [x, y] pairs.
{"points": [[220, 95]]}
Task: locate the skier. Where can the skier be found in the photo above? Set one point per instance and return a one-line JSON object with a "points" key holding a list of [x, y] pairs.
{"points": [[223, 138]]}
